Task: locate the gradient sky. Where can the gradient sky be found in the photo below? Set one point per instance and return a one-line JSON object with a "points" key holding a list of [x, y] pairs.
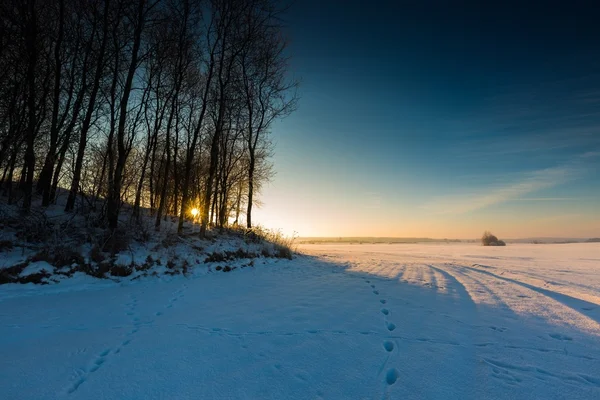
{"points": [[440, 119]]}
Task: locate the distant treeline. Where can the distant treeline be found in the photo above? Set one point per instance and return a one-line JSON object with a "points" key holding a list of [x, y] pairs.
{"points": [[383, 240], [164, 104], [367, 240]]}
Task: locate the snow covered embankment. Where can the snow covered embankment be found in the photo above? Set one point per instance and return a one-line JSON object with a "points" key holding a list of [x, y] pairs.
{"points": [[49, 246]]}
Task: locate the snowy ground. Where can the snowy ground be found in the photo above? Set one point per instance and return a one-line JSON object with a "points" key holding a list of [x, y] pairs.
{"points": [[345, 322]]}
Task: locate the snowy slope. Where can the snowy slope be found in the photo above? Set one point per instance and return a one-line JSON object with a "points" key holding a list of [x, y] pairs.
{"points": [[345, 322]]}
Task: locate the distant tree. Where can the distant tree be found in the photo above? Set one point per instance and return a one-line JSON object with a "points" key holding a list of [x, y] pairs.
{"points": [[488, 239]]}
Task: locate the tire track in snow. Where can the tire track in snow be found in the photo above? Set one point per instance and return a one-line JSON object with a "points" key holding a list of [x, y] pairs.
{"points": [[478, 290], [515, 374], [523, 298], [401, 269], [424, 275]]}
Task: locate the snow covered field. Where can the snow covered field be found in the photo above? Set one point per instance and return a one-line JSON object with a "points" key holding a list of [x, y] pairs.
{"points": [[428, 321]]}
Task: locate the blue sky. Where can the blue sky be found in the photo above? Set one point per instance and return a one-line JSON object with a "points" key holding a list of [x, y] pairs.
{"points": [[440, 119]]}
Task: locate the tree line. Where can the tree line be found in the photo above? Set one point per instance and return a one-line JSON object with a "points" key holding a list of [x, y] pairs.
{"points": [[161, 104]]}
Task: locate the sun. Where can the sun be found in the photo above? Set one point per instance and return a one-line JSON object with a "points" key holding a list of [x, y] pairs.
{"points": [[194, 212]]}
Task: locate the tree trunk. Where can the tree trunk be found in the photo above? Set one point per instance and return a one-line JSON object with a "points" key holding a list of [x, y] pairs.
{"points": [[250, 191], [31, 38], [45, 179], [85, 127], [114, 191], [238, 204], [163, 191], [8, 190], [214, 158]]}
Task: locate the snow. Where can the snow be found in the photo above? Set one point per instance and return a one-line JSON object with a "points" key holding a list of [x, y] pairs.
{"points": [[36, 268], [445, 321]]}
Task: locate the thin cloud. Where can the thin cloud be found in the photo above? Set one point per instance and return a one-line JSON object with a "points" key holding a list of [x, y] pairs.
{"points": [[528, 183], [515, 121], [591, 154], [548, 199]]}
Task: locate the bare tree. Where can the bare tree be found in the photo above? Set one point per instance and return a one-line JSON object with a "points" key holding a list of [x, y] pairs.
{"points": [[269, 95], [164, 104]]}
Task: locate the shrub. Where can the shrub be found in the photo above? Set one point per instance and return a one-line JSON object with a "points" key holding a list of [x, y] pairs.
{"points": [[170, 241], [11, 274], [116, 242], [215, 257], [265, 252], [6, 245], [185, 267], [34, 227], [241, 253], [488, 239], [282, 246], [283, 252], [59, 256], [39, 278], [96, 254], [121, 270]]}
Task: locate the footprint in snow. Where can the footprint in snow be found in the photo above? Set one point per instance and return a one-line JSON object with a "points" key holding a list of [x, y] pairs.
{"points": [[97, 364], [385, 311], [388, 346], [391, 326], [76, 384], [382, 301], [392, 376], [375, 292], [99, 360]]}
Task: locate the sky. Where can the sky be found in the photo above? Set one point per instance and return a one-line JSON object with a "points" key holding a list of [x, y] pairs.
{"points": [[440, 119]]}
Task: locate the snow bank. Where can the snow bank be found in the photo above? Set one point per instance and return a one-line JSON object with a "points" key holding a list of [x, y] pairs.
{"points": [[36, 268]]}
